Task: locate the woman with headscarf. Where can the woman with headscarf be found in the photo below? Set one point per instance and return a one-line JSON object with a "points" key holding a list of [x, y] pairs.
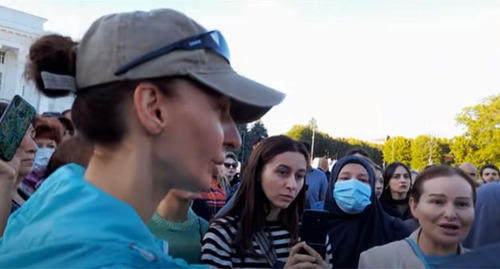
{"points": [[485, 229], [358, 221]]}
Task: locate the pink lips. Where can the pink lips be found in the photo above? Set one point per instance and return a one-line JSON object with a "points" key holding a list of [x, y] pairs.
{"points": [[450, 229], [287, 197]]}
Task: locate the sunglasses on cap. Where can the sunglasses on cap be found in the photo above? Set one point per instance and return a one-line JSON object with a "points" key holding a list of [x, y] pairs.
{"points": [[52, 114], [231, 165], [211, 40]]}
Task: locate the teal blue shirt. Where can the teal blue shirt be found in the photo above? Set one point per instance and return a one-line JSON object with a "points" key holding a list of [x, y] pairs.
{"points": [[435, 261], [183, 238], [69, 223]]}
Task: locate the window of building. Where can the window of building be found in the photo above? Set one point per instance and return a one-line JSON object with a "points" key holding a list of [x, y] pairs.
{"points": [[1, 75], [2, 57]]}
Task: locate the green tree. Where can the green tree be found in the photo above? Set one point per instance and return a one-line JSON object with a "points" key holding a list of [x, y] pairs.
{"points": [[462, 149], [397, 149], [483, 133], [249, 137], [444, 145], [424, 145], [374, 150], [325, 145]]}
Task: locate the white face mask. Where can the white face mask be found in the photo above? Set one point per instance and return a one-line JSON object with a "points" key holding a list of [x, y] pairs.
{"points": [[42, 157]]}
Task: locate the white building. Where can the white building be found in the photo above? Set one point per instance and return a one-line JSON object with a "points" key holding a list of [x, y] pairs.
{"points": [[18, 30]]}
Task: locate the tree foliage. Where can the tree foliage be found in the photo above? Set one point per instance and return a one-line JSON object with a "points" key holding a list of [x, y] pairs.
{"points": [[325, 145], [249, 137], [481, 142], [423, 146], [397, 149]]}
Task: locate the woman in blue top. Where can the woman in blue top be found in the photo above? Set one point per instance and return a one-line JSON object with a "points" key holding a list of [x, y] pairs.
{"points": [[158, 99], [442, 200]]}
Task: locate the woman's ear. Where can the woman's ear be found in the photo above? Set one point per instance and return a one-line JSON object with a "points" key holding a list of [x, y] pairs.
{"points": [[413, 207], [149, 105]]}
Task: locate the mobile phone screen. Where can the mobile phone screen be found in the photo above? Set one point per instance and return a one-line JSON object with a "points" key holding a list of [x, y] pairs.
{"points": [[14, 123]]}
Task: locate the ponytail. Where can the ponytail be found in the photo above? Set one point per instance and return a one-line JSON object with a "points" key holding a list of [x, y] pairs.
{"points": [[53, 54]]}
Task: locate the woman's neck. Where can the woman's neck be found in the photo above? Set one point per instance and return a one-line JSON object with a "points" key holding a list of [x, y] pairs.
{"points": [[398, 196], [15, 193], [136, 185], [430, 247], [17, 197], [174, 209], [273, 214]]}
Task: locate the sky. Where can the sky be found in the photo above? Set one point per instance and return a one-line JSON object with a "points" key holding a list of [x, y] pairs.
{"points": [[362, 69]]}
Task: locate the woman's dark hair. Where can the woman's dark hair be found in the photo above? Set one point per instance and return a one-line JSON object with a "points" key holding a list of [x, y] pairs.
{"points": [[439, 171], [389, 172], [98, 111], [360, 151], [428, 166], [49, 128], [490, 166], [74, 150], [251, 204]]}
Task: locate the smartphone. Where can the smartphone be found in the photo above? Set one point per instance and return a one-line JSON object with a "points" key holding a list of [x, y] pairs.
{"points": [[314, 230], [14, 123]]}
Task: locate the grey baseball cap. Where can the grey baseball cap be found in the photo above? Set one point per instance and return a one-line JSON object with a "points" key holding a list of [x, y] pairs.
{"points": [[115, 40]]}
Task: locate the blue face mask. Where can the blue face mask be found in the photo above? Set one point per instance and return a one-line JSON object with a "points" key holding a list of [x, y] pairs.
{"points": [[352, 196], [42, 157]]}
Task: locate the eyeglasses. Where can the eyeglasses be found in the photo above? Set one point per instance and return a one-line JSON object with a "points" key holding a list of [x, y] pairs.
{"points": [[231, 165], [210, 40]]}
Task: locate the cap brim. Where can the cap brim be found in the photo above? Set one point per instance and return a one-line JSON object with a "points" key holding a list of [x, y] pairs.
{"points": [[251, 100]]}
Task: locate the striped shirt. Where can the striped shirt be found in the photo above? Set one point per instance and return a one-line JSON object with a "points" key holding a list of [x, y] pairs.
{"points": [[217, 248]]}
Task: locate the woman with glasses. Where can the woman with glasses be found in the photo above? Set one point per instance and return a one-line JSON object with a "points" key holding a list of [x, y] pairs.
{"points": [[157, 98], [231, 173], [262, 227], [230, 165]]}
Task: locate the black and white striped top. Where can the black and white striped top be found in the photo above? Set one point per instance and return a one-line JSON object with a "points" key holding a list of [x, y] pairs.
{"points": [[218, 251]]}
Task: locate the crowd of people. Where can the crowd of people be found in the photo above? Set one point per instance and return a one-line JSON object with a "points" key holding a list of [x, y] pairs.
{"points": [[142, 173]]}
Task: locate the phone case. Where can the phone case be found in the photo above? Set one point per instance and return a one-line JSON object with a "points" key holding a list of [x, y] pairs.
{"points": [[314, 226], [14, 123]]}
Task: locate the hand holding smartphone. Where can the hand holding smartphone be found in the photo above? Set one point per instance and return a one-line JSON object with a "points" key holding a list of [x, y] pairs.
{"points": [[314, 230], [14, 123]]}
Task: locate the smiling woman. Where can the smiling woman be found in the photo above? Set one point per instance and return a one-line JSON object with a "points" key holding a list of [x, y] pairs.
{"points": [[442, 200]]}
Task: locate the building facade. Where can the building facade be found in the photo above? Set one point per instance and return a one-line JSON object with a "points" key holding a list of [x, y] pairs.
{"points": [[18, 30]]}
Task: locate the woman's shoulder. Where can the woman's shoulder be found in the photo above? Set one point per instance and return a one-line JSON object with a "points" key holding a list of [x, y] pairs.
{"points": [[226, 226], [225, 221], [388, 249], [397, 254]]}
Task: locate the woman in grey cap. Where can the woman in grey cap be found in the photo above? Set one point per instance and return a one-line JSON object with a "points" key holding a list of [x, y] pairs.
{"points": [[157, 97]]}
